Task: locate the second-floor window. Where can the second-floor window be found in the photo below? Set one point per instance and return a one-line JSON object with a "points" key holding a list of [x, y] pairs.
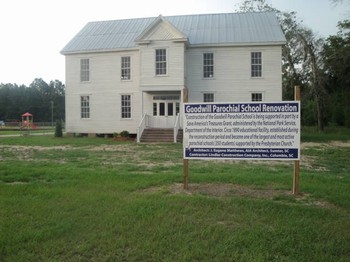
{"points": [[84, 69], [161, 62], [256, 64], [208, 65], [125, 68]]}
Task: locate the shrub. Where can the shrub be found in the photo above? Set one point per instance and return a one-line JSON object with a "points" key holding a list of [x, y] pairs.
{"points": [[124, 133], [58, 130]]}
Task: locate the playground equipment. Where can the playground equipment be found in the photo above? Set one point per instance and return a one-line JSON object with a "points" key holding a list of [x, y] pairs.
{"points": [[27, 123]]}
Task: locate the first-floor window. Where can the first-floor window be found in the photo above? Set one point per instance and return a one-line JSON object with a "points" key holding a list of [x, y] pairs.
{"points": [[256, 97], [208, 97], [85, 107], [126, 106]]}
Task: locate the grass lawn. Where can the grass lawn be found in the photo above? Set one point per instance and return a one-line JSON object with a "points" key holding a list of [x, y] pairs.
{"points": [[6, 132], [94, 199]]}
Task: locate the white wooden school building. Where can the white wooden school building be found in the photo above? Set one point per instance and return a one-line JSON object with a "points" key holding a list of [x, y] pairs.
{"points": [[133, 74]]}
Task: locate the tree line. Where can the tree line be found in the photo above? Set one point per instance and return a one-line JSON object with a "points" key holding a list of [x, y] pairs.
{"points": [[45, 101], [321, 67]]}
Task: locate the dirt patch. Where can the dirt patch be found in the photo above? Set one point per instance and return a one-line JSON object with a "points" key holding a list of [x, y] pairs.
{"points": [[307, 145], [340, 143], [223, 190], [233, 190], [219, 190], [14, 183], [36, 148], [125, 148]]}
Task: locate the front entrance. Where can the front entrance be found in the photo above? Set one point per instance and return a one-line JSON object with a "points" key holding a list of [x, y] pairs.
{"points": [[165, 110]]}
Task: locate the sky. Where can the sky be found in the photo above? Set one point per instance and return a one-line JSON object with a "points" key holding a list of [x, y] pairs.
{"points": [[33, 32]]}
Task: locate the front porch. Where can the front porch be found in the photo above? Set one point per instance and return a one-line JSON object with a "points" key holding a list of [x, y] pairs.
{"points": [[154, 129], [161, 115]]}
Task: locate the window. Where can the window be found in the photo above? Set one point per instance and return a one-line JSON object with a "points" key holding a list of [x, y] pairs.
{"points": [[256, 97], [155, 109], [256, 64], [84, 69], [208, 65], [166, 105], [208, 97], [170, 109], [85, 107], [161, 62], [126, 106], [166, 97], [162, 109], [125, 68]]}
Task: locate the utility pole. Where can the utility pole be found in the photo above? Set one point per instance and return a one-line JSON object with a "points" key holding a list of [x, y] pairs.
{"points": [[51, 112]]}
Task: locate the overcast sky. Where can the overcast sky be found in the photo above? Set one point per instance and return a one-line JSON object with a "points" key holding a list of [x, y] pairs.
{"points": [[34, 31]]}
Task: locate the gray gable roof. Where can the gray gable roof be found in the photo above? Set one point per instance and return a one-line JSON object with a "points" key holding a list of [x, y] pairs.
{"points": [[203, 30]]}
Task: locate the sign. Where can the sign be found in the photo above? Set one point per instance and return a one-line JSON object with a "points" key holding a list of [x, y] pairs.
{"points": [[256, 131]]}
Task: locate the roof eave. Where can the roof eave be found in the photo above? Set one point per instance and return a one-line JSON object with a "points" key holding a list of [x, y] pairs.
{"points": [[276, 43], [99, 51], [175, 40]]}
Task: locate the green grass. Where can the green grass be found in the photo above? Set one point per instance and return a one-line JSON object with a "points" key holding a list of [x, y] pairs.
{"points": [[311, 134], [93, 199], [17, 131]]}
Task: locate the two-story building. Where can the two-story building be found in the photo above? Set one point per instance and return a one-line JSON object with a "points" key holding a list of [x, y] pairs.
{"points": [[134, 74]]}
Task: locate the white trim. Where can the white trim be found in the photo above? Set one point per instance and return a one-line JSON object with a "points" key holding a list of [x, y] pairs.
{"points": [[90, 103], [80, 71], [131, 64], [262, 64], [257, 92], [131, 107], [166, 60], [214, 65]]}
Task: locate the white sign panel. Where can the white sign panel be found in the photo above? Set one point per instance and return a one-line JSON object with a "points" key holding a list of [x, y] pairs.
{"points": [[261, 131]]}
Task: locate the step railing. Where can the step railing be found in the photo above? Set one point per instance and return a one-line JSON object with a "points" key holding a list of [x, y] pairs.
{"points": [[143, 124]]}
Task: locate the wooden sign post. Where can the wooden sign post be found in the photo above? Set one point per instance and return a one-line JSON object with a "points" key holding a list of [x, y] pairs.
{"points": [[296, 162], [185, 100], [186, 174]]}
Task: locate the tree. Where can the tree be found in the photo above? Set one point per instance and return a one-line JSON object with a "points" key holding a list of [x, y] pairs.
{"points": [[58, 99], [312, 65], [300, 62], [336, 56], [36, 99]]}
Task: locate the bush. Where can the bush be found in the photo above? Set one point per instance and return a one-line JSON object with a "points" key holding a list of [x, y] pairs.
{"points": [[124, 133], [58, 130], [309, 114]]}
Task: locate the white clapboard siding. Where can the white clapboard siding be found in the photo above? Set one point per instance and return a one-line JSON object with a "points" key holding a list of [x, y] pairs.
{"points": [[232, 80], [175, 64], [105, 89]]}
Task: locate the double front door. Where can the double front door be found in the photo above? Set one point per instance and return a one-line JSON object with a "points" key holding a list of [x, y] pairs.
{"points": [[165, 110]]}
